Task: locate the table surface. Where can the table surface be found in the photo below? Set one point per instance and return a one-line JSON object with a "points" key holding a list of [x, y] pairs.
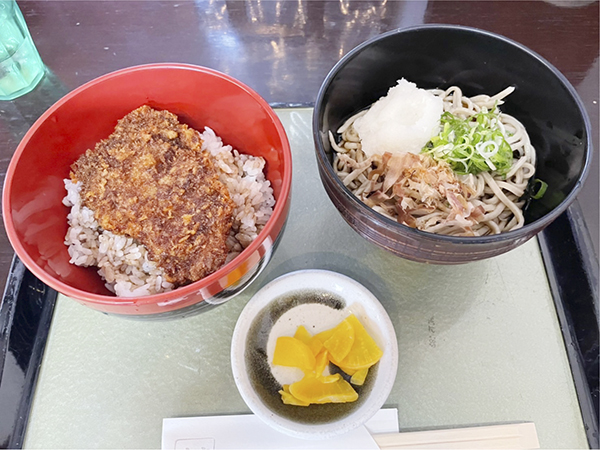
{"points": [[282, 49], [478, 344]]}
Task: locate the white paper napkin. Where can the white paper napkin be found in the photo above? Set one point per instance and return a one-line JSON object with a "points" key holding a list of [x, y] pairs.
{"points": [[248, 432]]}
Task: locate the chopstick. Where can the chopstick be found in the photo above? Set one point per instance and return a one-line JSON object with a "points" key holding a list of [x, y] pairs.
{"points": [[513, 436]]}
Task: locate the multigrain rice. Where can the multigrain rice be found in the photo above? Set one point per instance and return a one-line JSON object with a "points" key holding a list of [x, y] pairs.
{"points": [[123, 262]]}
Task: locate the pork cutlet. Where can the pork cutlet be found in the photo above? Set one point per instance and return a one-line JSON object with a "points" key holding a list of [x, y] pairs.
{"points": [[150, 180]]}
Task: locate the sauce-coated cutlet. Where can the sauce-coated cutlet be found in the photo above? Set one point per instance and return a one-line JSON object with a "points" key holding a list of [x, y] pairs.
{"points": [[150, 180]]}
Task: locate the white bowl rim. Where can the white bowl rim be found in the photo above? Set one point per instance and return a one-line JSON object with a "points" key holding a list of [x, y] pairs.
{"points": [[332, 282]]}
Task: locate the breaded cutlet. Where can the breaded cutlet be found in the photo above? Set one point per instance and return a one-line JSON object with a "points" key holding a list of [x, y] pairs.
{"points": [[150, 180]]}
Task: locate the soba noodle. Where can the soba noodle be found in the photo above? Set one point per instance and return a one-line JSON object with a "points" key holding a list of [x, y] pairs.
{"points": [[496, 198]]}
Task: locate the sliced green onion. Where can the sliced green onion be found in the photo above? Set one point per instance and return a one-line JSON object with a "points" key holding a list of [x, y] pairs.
{"points": [[541, 190], [472, 145]]}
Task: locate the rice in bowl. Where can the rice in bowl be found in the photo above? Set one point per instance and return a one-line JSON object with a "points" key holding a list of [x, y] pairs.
{"points": [[124, 262]]}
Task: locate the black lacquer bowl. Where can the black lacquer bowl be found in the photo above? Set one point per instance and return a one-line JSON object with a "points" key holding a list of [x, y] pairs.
{"points": [[479, 62]]}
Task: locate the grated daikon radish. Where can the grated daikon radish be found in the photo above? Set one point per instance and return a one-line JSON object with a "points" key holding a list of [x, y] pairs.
{"points": [[402, 121]]}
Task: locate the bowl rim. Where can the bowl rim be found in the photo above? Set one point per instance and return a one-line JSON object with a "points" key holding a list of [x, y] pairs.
{"points": [[183, 291], [524, 232], [326, 280]]}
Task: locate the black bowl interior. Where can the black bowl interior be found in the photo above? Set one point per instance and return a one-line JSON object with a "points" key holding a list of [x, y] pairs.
{"points": [[479, 63]]}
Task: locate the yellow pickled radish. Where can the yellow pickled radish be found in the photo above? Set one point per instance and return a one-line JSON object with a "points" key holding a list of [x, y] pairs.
{"points": [[312, 390], [292, 352], [348, 345], [313, 343], [346, 370], [330, 378], [341, 341], [365, 352], [289, 399], [359, 377], [321, 361], [324, 335], [302, 334]]}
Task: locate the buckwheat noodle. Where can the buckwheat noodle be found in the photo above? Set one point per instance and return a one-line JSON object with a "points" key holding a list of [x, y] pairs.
{"points": [[497, 196]]}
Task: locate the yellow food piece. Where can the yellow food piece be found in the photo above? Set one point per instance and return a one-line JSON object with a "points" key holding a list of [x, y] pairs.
{"points": [[303, 335], [359, 377], [346, 370], [313, 343], [289, 399], [341, 341], [330, 378], [364, 353], [312, 390], [348, 345], [322, 360], [324, 335], [292, 352]]}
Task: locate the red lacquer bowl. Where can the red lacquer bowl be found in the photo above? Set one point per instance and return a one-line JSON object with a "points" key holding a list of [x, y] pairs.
{"points": [[35, 218]]}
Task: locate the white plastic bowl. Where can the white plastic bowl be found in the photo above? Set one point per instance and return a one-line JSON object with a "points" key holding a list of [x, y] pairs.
{"points": [[262, 317]]}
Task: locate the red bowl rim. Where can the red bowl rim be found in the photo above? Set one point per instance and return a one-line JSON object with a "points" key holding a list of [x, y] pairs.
{"points": [[280, 204]]}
